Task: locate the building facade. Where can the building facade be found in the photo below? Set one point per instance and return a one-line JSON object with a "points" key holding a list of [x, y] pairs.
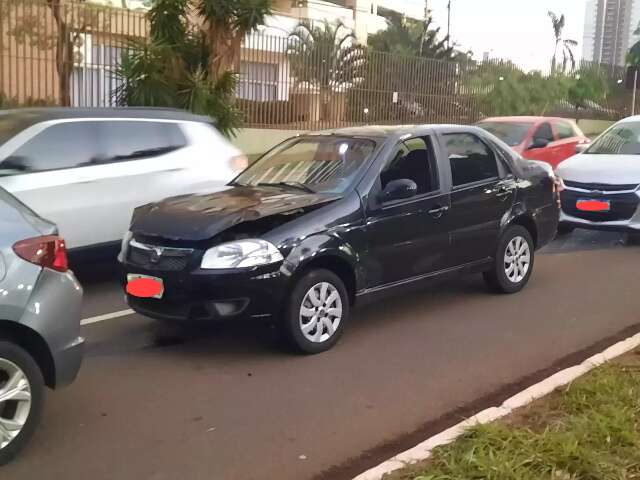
{"points": [[608, 30]]}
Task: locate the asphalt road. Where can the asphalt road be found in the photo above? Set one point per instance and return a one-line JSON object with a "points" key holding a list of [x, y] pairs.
{"points": [[228, 403]]}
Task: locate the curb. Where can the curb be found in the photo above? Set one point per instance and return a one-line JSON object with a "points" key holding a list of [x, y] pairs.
{"points": [[423, 450]]}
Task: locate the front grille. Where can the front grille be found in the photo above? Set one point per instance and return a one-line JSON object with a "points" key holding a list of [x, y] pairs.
{"points": [[602, 187], [623, 205], [151, 257]]}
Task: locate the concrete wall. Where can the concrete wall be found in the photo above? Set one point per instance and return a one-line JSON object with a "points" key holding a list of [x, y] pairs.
{"points": [[593, 128], [256, 141]]}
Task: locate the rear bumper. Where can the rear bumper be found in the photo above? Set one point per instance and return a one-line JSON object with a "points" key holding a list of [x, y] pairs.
{"points": [[212, 295], [53, 311]]}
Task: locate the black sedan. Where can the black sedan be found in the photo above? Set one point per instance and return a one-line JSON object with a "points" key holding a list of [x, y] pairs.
{"points": [[325, 221]]}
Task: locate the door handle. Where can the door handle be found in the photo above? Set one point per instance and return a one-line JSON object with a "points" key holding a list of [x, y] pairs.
{"points": [[438, 211]]}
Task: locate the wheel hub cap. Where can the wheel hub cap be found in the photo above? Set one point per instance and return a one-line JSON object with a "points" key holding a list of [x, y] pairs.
{"points": [[320, 312], [517, 259], [15, 401]]}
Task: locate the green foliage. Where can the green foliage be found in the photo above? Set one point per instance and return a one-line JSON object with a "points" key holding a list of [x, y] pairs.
{"points": [[589, 85], [7, 102], [174, 67], [589, 431], [326, 56], [409, 37], [633, 57]]}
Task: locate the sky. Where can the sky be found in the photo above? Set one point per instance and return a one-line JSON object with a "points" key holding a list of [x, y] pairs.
{"points": [[519, 30]]}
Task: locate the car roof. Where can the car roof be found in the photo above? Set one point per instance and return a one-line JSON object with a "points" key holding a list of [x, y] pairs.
{"points": [[37, 115], [389, 131], [523, 118]]}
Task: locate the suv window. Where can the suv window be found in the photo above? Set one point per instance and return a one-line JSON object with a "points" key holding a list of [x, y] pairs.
{"points": [[126, 140], [470, 159], [564, 130], [544, 131], [413, 159], [64, 145]]}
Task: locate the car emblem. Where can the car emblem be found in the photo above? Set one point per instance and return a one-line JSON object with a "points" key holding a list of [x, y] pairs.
{"points": [[156, 254]]}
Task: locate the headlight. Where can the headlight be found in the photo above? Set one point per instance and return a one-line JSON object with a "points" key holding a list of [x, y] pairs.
{"points": [[241, 253]]}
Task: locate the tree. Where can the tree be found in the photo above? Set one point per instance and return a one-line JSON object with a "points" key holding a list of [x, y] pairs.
{"points": [[225, 25], [633, 57], [409, 37], [72, 21], [562, 45], [587, 88], [327, 57], [191, 68]]}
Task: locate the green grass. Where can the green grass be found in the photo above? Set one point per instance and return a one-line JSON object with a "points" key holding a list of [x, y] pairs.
{"points": [[588, 431]]}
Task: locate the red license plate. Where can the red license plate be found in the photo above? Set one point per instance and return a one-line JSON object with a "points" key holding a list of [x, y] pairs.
{"points": [[144, 286], [587, 205]]}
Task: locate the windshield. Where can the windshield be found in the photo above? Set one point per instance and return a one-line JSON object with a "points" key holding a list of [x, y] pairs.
{"points": [[511, 133], [621, 139], [313, 164]]}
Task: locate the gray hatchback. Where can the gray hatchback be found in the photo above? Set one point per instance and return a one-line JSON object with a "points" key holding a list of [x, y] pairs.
{"points": [[40, 299]]}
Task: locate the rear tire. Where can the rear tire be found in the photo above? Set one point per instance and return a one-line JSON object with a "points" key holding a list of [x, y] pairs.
{"points": [[513, 262], [22, 411], [316, 313]]}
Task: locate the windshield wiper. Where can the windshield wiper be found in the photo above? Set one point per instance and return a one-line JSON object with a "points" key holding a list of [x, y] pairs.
{"points": [[297, 185]]}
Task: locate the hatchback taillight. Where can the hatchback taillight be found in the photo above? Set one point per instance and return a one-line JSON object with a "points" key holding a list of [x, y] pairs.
{"points": [[49, 251]]}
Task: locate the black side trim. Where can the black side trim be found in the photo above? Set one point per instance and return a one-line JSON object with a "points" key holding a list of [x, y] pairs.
{"points": [[406, 281]]}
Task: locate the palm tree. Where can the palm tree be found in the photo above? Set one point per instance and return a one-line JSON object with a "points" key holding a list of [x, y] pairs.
{"points": [[191, 68], [563, 44], [633, 57], [326, 56], [405, 36]]}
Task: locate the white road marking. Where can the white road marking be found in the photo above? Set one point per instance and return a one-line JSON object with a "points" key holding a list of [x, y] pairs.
{"points": [[106, 316]]}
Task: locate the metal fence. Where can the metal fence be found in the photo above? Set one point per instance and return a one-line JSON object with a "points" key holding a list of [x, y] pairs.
{"points": [[67, 53]]}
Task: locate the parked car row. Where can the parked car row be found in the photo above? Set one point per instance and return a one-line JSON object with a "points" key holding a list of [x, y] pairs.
{"points": [[321, 223]]}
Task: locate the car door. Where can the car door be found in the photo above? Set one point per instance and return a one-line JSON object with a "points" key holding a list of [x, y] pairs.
{"points": [[408, 237], [49, 172], [543, 133], [567, 139], [481, 194]]}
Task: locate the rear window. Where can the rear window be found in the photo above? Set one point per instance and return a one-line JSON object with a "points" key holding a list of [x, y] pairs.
{"points": [[621, 139], [511, 133]]}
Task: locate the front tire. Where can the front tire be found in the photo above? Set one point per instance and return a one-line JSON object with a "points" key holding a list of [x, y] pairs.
{"points": [[22, 394], [513, 262], [316, 313]]}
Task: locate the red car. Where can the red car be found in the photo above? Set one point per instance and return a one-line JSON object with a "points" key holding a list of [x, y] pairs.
{"points": [[549, 139]]}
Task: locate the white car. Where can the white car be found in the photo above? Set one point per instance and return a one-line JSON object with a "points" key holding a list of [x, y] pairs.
{"points": [[602, 183], [87, 169]]}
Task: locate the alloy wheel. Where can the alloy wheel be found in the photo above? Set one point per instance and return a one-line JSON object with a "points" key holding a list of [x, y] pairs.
{"points": [[517, 259], [320, 312], [15, 401]]}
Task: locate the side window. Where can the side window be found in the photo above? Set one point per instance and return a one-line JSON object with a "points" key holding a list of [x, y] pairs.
{"points": [[413, 159], [470, 159], [564, 130], [127, 140], [544, 131], [65, 145]]}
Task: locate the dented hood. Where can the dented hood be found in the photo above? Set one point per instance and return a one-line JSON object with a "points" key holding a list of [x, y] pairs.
{"points": [[200, 217]]}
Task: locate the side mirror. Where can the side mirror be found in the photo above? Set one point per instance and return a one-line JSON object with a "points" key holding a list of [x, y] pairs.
{"points": [[538, 143], [399, 189], [581, 147]]}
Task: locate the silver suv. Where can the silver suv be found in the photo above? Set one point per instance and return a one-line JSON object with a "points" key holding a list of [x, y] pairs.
{"points": [[40, 299]]}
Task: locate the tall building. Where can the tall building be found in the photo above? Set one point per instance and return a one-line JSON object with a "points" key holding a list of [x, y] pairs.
{"points": [[608, 30]]}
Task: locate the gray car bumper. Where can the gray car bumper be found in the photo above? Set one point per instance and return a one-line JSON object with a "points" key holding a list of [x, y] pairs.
{"points": [[54, 312]]}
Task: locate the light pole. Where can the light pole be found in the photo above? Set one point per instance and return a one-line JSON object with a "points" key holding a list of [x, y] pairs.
{"points": [[635, 88], [448, 23]]}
